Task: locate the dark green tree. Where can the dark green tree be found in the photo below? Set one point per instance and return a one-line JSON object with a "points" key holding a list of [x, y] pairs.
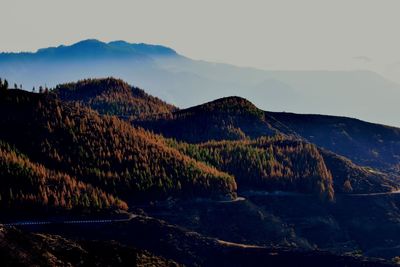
{"points": [[3, 85]]}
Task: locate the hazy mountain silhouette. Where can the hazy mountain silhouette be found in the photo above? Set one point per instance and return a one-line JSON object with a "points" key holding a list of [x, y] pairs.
{"points": [[91, 48], [185, 82]]}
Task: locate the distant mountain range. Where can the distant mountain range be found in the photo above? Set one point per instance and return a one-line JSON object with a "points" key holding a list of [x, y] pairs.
{"points": [[185, 82], [91, 49]]}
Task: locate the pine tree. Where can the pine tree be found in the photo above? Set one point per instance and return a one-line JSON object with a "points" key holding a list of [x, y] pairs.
{"points": [[3, 85]]}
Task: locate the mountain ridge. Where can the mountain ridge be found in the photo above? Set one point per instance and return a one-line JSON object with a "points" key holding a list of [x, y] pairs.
{"points": [[93, 46]]}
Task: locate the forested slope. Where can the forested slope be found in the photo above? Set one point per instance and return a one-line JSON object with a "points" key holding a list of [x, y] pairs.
{"points": [[27, 186], [103, 151], [230, 118], [113, 97], [274, 163]]}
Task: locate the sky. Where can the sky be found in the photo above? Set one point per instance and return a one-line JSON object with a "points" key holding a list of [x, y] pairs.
{"points": [[266, 34]]}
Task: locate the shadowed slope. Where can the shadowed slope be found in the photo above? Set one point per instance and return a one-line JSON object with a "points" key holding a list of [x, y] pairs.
{"points": [[364, 143], [234, 118], [230, 118]]}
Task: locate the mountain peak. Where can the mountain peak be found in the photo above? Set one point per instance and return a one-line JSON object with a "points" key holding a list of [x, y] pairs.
{"points": [[231, 105], [90, 88], [78, 46], [120, 43], [113, 97], [88, 43], [95, 49], [115, 47], [235, 100]]}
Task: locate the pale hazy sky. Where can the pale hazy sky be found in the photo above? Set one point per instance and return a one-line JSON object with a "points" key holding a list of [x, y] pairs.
{"points": [[281, 34]]}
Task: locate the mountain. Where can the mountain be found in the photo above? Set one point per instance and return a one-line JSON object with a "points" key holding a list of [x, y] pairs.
{"points": [[230, 118], [103, 151], [91, 49], [223, 183], [235, 118], [145, 166], [364, 143], [112, 97], [276, 164], [185, 82], [134, 164]]}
